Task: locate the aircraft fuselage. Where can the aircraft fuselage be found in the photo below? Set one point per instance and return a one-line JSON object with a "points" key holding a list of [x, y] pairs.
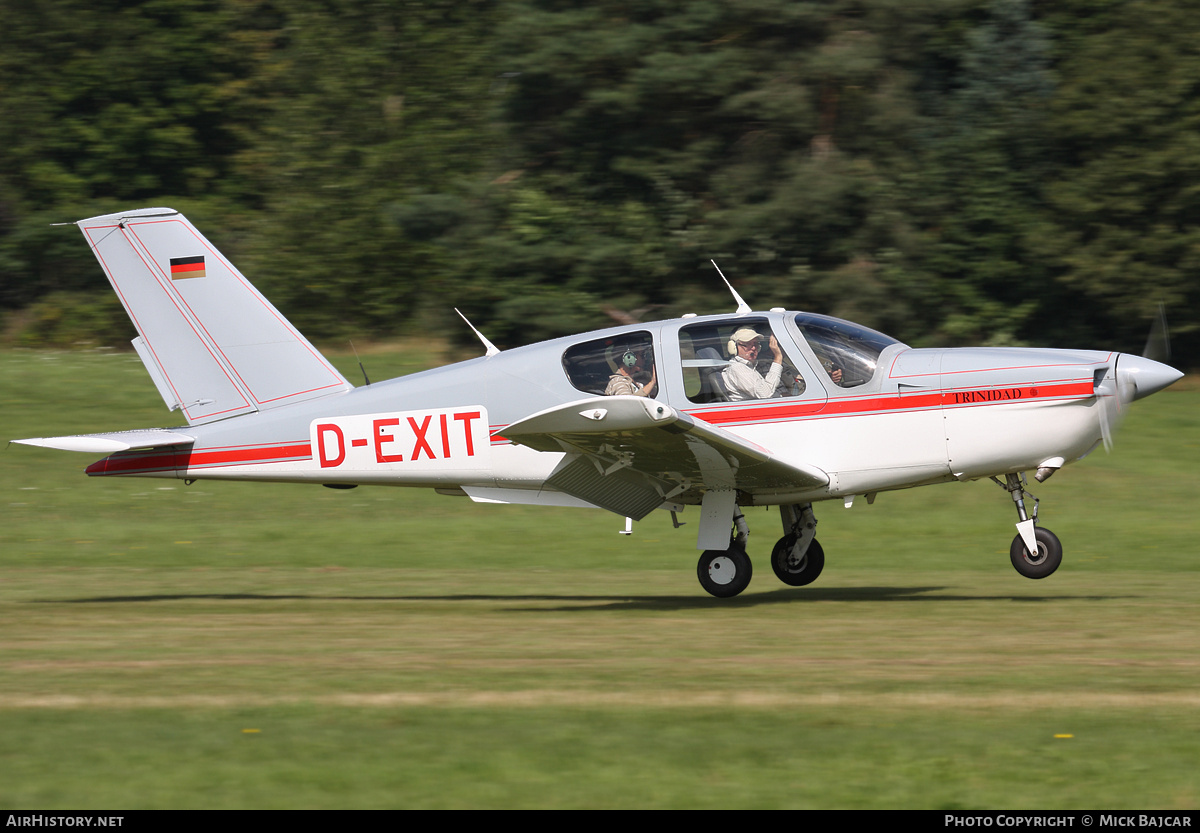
{"points": [[925, 416]]}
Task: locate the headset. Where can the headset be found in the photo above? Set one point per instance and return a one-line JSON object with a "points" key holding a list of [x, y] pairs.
{"points": [[627, 355], [733, 346]]}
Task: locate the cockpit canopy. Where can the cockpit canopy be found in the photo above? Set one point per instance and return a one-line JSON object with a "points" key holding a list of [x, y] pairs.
{"points": [[712, 368], [843, 344]]}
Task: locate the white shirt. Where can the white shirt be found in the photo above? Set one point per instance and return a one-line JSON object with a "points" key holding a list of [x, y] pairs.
{"points": [[744, 382]]}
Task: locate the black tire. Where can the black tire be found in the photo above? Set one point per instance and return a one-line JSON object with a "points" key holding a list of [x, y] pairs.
{"points": [[1049, 555], [724, 573], [797, 573]]}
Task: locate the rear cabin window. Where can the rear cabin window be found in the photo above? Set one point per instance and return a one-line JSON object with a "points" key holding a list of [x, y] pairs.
{"points": [[620, 365]]}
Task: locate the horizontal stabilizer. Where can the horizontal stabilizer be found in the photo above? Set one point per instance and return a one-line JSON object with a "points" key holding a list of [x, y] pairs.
{"points": [[214, 346], [111, 443]]}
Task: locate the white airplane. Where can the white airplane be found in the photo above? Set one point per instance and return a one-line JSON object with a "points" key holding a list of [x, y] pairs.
{"points": [[718, 412]]}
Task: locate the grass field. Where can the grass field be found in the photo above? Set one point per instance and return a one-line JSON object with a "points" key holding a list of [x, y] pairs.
{"points": [[231, 645]]}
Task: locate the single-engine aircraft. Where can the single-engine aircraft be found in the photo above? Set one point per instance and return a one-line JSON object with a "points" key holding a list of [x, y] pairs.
{"points": [[720, 412]]}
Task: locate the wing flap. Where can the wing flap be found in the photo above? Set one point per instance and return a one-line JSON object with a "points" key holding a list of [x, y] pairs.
{"points": [[638, 451], [624, 491]]}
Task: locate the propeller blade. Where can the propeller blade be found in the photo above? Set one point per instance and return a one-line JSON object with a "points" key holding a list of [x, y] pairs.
{"points": [[1158, 343], [1107, 401]]}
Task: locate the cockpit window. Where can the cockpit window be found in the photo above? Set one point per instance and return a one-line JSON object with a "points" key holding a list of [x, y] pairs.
{"points": [[736, 360], [841, 345], [621, 365]]}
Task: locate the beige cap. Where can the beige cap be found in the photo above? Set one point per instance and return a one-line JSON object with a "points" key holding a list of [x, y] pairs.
{"points": [[745, 334]]}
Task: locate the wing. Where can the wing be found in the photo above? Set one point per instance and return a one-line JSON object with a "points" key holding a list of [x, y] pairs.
{"points": [[630, 454]]}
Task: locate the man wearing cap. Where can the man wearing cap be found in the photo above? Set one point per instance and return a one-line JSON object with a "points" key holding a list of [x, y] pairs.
{"points": [[741, 379]]}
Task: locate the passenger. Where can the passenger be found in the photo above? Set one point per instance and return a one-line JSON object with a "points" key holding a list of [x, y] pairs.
{"points": [[741, 379], [629, 366]]}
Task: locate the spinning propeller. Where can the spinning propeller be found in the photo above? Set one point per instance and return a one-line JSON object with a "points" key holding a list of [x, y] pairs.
{"points": [[1134, 377]]}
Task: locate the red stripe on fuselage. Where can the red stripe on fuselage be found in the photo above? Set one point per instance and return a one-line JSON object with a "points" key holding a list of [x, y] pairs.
{"points": [[156, 460], [775, 410]]}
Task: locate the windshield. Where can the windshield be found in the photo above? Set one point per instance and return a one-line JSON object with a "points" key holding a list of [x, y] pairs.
{"points": [[841, 345]]}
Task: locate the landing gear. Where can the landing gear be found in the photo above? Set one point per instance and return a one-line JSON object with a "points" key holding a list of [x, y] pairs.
{"points": [[1041, 564], [1035, 552], [797, 558], [725, 573], [793, 569]]}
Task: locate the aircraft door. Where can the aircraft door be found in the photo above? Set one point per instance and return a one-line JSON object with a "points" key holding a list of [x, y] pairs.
{"points": [[740, 370]]}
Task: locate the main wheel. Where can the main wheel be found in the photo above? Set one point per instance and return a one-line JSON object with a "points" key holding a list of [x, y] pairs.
{"points": [[797, 571], [724, 573], [1049, 555]]}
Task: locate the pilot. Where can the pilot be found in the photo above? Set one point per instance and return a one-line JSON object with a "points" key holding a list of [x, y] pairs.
{"points": [[628, 367], [834, 373], [742, 381]]}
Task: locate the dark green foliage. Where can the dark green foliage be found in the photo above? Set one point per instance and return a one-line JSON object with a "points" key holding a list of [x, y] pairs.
{"points": [[129, 101], [114, 105], [74, 319], [985, 154], [647, 142], [377, 104], [951, 171], [1125, 198]]}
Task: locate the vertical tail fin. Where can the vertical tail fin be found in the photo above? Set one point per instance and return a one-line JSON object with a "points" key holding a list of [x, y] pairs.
{"points": [[214, 346]]}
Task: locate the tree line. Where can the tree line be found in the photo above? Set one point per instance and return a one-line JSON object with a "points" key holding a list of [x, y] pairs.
{"points": [[948, 171]]}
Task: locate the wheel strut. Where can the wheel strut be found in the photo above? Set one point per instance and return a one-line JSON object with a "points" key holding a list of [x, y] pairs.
{"points": [[743, 529], [1027, 525], [1036, 552], [799, 524], [797, 558]]}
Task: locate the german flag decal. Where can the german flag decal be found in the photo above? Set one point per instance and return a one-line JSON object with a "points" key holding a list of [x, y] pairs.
{"points": [[187, 267]]}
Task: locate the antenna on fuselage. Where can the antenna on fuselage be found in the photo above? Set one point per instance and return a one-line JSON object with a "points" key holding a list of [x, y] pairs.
{"points": [[489, 348], [359, 360], [743, 307]]}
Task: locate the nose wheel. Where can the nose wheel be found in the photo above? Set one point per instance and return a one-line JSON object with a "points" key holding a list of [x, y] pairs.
{"points": [[1036, 552], [1042, 563]]}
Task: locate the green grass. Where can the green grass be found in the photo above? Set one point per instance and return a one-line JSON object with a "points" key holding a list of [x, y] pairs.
{"points": [[557, 757], [396, 648]]}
